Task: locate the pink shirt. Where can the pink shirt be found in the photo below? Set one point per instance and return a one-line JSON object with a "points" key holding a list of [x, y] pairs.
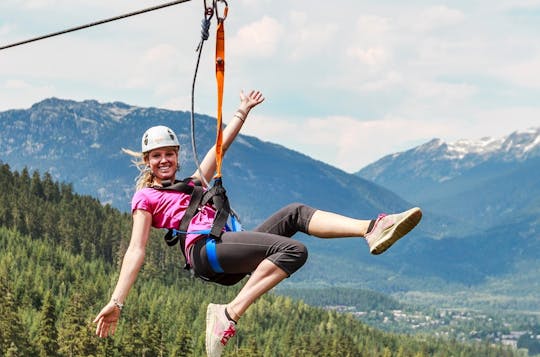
{"points": [[167, 208]]}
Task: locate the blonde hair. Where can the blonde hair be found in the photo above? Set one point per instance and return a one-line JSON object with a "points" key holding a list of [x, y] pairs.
{"points": [[140, 160]]}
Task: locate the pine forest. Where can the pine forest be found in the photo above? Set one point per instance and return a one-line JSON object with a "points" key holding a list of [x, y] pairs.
{"points": [[60, 254]]}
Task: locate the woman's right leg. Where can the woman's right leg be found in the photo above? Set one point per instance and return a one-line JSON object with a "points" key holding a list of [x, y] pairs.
{"points": [[268, 257], [221, 319], [265, 277]]}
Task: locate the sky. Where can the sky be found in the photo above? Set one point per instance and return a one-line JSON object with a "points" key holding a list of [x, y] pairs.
{"points": [[346, 82]]}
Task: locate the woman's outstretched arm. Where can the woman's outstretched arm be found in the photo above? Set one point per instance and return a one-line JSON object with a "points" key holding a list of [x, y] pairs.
{"points": [[247, 102], [108, 317]]}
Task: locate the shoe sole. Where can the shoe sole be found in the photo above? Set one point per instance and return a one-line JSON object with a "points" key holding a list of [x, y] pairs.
{"points": [[398, 230], [210, 322]]}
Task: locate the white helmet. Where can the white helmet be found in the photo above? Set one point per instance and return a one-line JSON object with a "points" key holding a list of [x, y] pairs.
{"points": [[158, 137]]}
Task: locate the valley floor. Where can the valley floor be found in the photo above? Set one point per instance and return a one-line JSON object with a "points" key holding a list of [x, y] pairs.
{"points": [[518, 330]]}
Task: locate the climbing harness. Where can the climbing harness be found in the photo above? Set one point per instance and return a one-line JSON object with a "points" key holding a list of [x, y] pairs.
{"points": [[199, 198]]}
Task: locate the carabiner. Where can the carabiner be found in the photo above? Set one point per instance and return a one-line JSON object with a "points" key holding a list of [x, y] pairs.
{"points": [[225, 10], [208, 11]]}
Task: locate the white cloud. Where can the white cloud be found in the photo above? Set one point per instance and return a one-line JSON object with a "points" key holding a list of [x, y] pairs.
{"points": [[436, 17], [255, 2], [5, 29], [17, 93], [35, 4], [257, 39], [306, 38], [387, 80], [373, 56], [499, 122], [373, 25], [442, 92], [158, 62], [518, 4], [524, 73], [344, 142], [16, 84]]}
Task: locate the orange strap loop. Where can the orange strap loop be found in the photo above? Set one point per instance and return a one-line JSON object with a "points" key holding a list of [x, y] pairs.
{"points": [[220, 78]]}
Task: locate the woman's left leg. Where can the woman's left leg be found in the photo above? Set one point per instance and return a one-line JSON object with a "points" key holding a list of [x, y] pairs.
{"points": [[380, 234], [298, 217]]}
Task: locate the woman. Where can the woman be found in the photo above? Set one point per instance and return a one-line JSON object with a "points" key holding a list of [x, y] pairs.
{"points": [[267, 253]]}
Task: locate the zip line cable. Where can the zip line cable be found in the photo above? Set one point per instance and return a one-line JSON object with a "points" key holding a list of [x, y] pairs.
{"points": [[73, 29]]}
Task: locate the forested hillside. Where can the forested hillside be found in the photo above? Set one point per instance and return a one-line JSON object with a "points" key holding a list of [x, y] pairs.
{"points": [[59, 257]]}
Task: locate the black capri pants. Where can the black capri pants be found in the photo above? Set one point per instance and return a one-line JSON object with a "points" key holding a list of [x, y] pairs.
{"points": [[239, 253]]}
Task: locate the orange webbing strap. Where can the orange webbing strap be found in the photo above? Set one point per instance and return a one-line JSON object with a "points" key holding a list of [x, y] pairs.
{"points": [[220, 77]]}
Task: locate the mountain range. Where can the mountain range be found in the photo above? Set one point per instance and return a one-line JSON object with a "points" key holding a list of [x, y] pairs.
{"points": [[480, 199], [81, 143], [481, 183]]}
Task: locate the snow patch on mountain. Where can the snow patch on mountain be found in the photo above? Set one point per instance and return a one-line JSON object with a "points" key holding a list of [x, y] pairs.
{"points": [[516, 146], [533, 145], [485, 146], [117, 113]]}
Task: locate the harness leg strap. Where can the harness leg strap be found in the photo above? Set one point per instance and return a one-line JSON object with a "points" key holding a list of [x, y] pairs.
{"points": [[212, 255]]}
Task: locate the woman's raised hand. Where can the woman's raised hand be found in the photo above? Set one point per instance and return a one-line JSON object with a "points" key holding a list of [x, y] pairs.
{"points": [[252, 99]]}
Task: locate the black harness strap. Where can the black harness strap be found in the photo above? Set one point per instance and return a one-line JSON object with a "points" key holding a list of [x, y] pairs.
{"points": [[196, 192], [193, 207], [216, 196]]}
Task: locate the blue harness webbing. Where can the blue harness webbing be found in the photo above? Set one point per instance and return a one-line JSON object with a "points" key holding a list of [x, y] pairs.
{"points": [[212, 255], [210, 249]]}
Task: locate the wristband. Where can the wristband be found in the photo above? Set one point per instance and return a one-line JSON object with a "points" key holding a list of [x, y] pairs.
{"points": [[117, 304], [236, 115]]}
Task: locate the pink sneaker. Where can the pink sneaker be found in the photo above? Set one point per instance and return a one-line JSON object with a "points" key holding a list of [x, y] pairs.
{"points": [[219, 329], [390, 228]]}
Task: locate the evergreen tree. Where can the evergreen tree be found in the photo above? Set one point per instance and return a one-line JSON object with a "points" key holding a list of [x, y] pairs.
{"points": [[51, 190], [182, 343], [47, 333], [13, 336], [75, 336], [13, 351], [36, 188]]}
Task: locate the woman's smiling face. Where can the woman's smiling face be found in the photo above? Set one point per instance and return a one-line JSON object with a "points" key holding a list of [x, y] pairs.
{"points": [[163, 163]]}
